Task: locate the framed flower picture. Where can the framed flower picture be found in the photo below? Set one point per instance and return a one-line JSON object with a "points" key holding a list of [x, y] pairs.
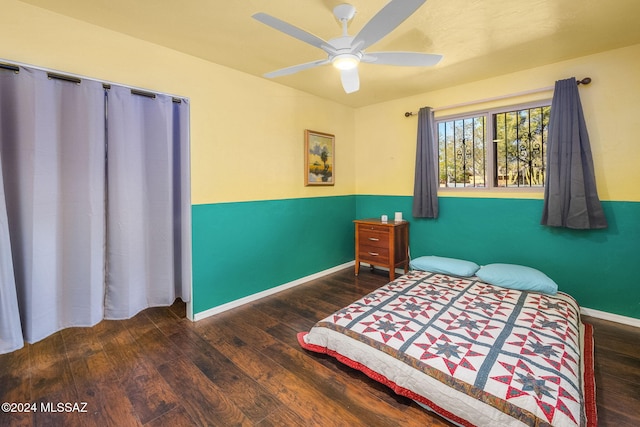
{"points": [[319, 158]]}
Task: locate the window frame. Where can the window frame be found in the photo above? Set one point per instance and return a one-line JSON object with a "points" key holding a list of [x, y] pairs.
{"points": [[488, 114]]}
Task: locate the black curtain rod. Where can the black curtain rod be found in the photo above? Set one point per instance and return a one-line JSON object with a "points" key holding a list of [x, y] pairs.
{"points": [[152, 95], [584, 81], [77, 80], [143, 93], [71, 79], [10, 67]]}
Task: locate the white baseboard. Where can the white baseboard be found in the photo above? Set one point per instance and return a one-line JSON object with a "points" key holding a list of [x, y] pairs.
{"points": [[254, 297], [631, 321]]}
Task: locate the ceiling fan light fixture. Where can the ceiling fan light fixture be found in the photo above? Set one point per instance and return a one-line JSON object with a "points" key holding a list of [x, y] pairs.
{"points": [[345, 61], [346, 52]]}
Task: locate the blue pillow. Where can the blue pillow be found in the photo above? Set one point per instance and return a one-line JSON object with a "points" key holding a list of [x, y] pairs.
{"points": [[437, 264], [517, 277]]}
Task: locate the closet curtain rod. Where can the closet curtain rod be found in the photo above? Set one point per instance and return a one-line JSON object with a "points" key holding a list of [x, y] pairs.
{"points": [[584, 81], [78, 80]]}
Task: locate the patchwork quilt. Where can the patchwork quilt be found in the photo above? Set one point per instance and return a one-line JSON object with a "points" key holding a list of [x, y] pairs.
{"points": [[477, 354]]}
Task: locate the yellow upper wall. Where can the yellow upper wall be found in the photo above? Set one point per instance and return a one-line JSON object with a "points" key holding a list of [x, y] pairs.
{"points": [[247, 133], [386, 140]]}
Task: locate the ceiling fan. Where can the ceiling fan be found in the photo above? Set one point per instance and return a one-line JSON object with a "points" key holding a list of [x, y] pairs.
{"points": [[346, 52]]}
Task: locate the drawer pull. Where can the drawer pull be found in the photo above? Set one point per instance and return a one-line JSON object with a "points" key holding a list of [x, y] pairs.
{"points": [[374, 253], [374, 239]]}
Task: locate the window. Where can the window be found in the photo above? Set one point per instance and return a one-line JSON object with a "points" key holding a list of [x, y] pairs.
{"points": [[515, 158]]}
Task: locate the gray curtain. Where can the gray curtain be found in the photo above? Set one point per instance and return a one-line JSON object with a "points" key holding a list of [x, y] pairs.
{"points": [[144, 266], [10, 331], [52, 144], [10, 328], [570, 195], [425, 189], [182, 198]]}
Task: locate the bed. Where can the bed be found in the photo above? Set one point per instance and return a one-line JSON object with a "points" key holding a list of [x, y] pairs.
{"points": [[473, 352]]}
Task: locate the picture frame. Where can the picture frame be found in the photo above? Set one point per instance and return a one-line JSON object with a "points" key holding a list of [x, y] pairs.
{"points": [[319, 158]]}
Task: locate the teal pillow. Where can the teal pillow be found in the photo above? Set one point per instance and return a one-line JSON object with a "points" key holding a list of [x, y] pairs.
{"points": [[437, 264], [517, 277]]}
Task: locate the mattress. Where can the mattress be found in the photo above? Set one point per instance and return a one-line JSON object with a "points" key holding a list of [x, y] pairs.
{"points": [[476, 354]]}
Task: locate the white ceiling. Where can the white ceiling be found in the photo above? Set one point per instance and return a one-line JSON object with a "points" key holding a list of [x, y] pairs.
{"points": [[478, 38]]}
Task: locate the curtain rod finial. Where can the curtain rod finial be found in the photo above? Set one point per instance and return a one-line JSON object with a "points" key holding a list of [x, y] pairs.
{"points": [[585, 81], [408, 114]]}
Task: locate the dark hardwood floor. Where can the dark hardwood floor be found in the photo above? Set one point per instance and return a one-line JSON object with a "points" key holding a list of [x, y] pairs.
{"points": [[245, 367]]}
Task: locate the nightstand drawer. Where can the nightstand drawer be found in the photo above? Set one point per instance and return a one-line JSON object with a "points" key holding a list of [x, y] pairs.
{"points": [[373, 254], [362, 228], [373, 238]]}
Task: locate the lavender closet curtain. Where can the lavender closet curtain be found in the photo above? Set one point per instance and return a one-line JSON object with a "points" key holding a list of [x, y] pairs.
{"points": [[10, 328], [182, 198], [143, 187], [52, 149], [88, 230], [425, 190], [10, 331], [570, 195]]}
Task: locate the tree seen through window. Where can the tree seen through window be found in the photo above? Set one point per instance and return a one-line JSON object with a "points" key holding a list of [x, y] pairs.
{"points": [[516, 156]]}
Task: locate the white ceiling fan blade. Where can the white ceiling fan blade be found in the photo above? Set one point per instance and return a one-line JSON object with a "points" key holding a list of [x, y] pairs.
{"points": [[409, 59], [350, 80], [293, 31], [385, 21], [296, 68]]}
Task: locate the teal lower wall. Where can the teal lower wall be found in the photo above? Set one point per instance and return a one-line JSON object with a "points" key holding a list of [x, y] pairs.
{"points": [[240, 249], [595, 267]]}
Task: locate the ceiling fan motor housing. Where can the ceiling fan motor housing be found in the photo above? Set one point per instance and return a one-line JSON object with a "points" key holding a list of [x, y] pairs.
{"points": [[344, 12]]}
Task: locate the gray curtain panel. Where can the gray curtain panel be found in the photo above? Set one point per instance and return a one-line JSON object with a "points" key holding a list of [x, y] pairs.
{"points": [[425, 189], [138, 172], [141, 195], [570, 195], [52, 144], [182, 199], [10, 330]]}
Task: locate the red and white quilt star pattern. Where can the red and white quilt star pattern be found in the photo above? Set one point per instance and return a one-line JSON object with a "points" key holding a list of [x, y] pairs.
{"points": [[519, 353]]}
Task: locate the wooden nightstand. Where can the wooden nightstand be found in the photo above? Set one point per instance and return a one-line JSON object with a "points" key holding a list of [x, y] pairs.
{"points": [[384, 244]]}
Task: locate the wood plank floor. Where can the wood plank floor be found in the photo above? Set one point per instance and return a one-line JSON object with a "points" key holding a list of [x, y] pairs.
{"points": [[245, 367]]}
